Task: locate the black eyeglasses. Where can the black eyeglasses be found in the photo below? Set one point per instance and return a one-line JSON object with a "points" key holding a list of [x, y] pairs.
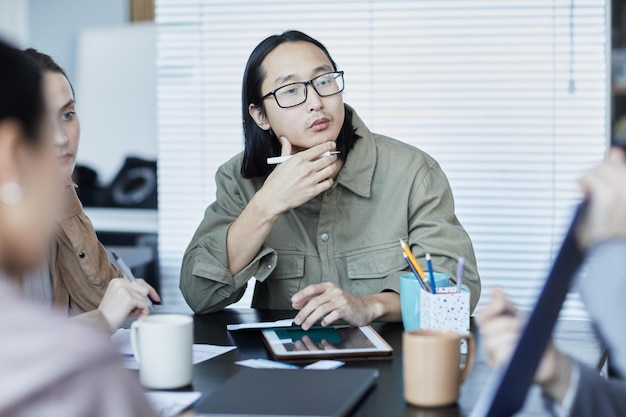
{"points": [[294, 94]]}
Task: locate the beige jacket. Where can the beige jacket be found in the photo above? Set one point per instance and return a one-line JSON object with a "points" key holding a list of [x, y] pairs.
{"points": [[80, 267], [350, 235]]}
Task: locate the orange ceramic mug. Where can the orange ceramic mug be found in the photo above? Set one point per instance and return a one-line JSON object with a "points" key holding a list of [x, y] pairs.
{"points": [[433, 371]]}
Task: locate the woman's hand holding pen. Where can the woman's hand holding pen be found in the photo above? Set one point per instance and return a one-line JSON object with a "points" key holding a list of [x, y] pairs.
{"points": [[123, 299], [500, 327], [300, 179]]}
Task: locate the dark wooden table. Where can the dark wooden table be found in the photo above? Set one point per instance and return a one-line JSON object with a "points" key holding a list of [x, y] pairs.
{"points": [[386, 399]]}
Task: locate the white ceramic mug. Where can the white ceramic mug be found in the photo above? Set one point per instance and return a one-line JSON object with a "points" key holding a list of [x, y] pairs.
{"points": [[162, 345]]}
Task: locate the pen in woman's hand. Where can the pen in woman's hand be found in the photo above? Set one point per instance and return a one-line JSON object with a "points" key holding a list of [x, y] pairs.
{"points": [[127, 273]]}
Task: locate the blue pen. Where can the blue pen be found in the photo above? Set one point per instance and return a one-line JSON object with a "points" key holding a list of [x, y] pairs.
{"points": [[429, 263], [406, 258], [460, 273]]}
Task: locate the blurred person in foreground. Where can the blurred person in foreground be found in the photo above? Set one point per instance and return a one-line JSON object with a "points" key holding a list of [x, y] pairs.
{"points": [[49, 366], [571, 388], [76, 275]]}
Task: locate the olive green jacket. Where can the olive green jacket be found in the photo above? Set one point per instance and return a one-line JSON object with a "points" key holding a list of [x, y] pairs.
{"points": [[350, 235]]}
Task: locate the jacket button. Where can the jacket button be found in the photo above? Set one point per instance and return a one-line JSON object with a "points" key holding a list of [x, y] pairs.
{"points": [[324, 237], [81, 255]]}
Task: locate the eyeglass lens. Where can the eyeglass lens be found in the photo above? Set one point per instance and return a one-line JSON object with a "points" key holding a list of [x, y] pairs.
{"points": [[296, 93]]}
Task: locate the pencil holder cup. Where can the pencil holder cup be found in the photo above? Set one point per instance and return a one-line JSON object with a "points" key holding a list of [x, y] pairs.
{"points": [[446, 310], [410, 298]]}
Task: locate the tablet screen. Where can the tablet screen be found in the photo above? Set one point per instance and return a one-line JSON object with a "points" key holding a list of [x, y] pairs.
{"points": [[324, 341], [323, 338]]}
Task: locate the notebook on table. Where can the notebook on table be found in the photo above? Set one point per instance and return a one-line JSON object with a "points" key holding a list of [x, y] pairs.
{"points": [[289, 392]]}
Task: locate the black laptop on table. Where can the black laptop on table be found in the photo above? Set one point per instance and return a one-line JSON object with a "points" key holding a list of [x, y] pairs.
{"points": [[289, 392]]}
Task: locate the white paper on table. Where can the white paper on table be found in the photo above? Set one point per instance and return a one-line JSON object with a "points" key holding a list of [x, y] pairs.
{"points": [[200, 352], [325, 365], [269, 364], [170, 404], [265, 364], [260, 325]]}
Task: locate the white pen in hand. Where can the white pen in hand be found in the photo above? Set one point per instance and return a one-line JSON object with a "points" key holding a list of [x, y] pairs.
{"points": [[128, 274], [280, 159]]}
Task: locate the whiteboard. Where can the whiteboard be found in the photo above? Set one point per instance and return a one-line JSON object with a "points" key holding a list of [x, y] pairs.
{"points": [[116, 96]]}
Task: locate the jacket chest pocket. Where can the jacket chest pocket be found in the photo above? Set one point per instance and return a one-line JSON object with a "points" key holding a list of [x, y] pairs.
{"points": [[286, 279], [368, 269], [289, 266]]}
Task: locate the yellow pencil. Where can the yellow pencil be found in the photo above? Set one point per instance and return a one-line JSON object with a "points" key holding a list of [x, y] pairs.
{"points": [[413, 261]]}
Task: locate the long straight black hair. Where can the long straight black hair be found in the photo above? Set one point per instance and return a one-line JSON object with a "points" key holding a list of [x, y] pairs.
{"points": [[261, 144]]}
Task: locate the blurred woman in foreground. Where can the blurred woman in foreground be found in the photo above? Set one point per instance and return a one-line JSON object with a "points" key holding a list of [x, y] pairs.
{"points": [[49, 366], [573, 389]]}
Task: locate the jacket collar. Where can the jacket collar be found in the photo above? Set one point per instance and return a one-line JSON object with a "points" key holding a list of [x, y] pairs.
{"points": [[358, 170], [71, 204]]}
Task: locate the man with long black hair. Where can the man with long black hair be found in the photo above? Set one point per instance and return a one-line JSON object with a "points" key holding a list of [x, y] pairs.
{"points": [[320, 231]]}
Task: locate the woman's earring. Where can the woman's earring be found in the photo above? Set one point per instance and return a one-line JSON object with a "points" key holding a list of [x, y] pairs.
{"points": [[10, 193], [271, 132]]}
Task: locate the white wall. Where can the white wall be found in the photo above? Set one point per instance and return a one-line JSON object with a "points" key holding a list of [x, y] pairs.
{"points": [[116, 96], [54, 25], [14, 21]]}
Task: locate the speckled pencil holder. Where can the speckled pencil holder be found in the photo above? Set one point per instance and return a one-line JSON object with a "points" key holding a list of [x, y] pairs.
{"points": [[446, 310]]}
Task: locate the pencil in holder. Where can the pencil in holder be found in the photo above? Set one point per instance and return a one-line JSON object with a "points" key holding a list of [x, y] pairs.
{"points": [[446, 310]]}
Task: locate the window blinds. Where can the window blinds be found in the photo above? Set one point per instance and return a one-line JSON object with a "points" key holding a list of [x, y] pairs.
{"points": [[510, 97]]}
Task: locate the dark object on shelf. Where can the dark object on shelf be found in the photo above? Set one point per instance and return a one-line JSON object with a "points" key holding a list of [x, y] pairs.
{"points": [[134, 186]]}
